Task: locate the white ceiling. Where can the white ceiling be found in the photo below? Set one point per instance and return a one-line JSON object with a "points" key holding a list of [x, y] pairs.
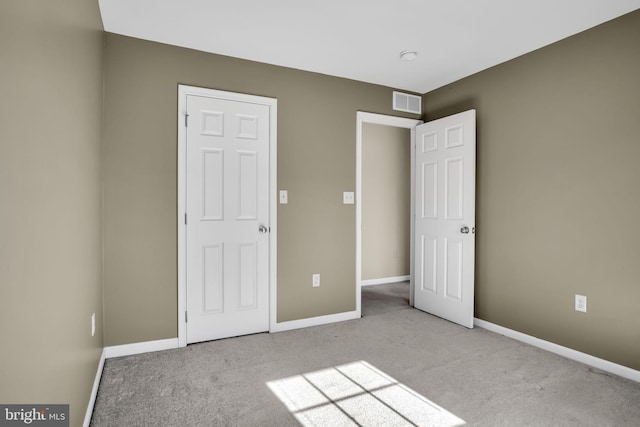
{"points": [[362, 39]]}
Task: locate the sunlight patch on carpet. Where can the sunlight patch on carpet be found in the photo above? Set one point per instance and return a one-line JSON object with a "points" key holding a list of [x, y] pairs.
{"points": [[357, 394]]}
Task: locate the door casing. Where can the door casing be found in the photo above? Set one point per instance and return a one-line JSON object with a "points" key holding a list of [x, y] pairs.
{"points": [[183, 92]]}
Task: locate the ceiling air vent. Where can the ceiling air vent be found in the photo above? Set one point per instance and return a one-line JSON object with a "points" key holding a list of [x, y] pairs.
{"points": [[407, 103]]}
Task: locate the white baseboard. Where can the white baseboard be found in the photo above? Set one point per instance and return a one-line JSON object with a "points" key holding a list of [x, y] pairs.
{"points": [[94, 391], [569, 353], [123, 350], [384, 280], [140, 347], [314, 321]]}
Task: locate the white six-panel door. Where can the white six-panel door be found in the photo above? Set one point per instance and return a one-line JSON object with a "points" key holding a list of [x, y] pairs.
{"points": [[227, 207], [445, 217]]}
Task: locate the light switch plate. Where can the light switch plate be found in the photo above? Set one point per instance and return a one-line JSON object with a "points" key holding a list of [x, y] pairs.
{"points": [[581, 303], [348, 198], [315, 280], [284, 197]]}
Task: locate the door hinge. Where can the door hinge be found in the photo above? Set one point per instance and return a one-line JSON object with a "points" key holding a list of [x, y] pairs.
{"points": [[186, 320], [185, 219], [186, 119]]}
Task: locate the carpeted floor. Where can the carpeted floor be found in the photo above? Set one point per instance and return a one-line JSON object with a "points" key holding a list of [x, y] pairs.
{"points": [[380, 299], [480, 377]]}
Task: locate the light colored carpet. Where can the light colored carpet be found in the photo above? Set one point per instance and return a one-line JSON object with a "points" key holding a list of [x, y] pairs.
{"points": [[380, 299], [480, 377]]}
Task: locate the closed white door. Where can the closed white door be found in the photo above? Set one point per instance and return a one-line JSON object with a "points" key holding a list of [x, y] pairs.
{"points": [[445, 217], [227, 206]]}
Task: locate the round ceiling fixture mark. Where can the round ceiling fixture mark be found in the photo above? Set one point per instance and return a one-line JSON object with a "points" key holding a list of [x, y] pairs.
{"points": [[408, 55]]}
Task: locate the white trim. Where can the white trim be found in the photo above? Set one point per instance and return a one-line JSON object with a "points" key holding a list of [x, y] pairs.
{"points": [[182, 209], [380, 119], [140, 347], [272, 103], [94, 391], [273, 211], [384, 280], [569, 353], [314, 321]]}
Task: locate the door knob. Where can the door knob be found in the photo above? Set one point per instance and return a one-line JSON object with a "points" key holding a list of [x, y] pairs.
{"points": [[263, 230], [464, 229]]}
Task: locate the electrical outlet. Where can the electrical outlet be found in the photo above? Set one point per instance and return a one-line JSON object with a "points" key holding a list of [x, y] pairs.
{"points": [[315, 280], [348, 198], [93, 325], [581, 303]]}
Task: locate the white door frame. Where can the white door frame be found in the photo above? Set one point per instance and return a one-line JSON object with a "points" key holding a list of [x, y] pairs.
{"points": [[394, 121], [183, 92]]}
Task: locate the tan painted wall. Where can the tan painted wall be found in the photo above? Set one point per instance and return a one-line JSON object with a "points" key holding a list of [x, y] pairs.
{"points": [[386, 201], [50, 244], [558, 201], [316, 163]]}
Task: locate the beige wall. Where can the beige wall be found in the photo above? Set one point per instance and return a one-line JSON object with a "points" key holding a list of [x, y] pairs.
{"points": [[316, 163], [557, 196], [386, 201], [50, 244]]}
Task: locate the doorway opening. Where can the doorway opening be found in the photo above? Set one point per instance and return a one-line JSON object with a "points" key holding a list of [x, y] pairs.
{"points": [[386, 257]]}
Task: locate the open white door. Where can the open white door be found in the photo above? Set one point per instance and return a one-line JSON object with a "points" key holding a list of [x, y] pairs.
{"points": [[444, 206]]}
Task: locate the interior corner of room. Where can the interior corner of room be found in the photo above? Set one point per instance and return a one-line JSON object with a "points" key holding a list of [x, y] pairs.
{"points": [[88, 193]]}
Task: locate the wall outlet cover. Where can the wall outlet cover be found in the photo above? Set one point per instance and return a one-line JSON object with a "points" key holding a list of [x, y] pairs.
{"points": [[348, 198], [581, 303]]}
